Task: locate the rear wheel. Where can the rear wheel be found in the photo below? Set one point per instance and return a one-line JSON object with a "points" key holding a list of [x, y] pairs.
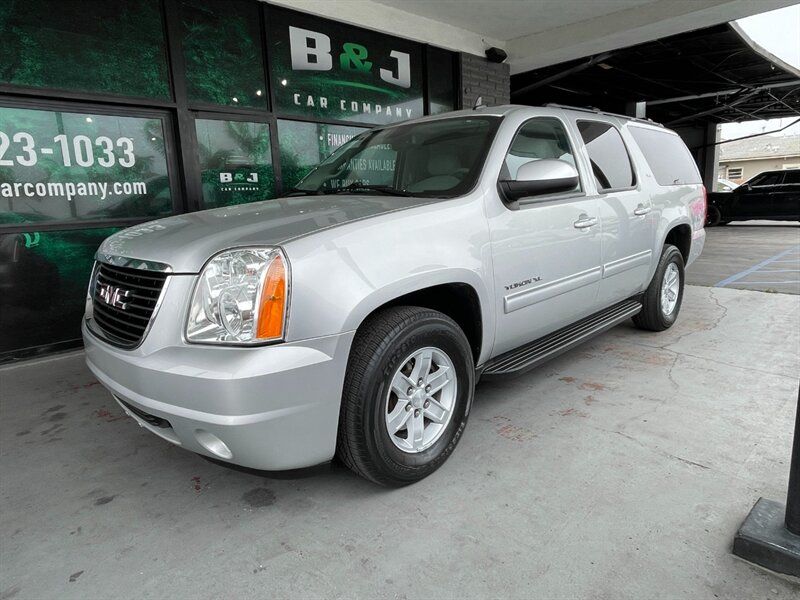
{"points": [[407, 393], [661, 302], [713, 216]]}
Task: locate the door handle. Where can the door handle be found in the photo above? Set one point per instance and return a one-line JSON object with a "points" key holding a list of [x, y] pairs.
{"points": [[585, 221], [641, 210]]}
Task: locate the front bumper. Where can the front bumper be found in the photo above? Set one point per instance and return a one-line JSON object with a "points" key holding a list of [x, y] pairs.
{"points": [[271, 407]]}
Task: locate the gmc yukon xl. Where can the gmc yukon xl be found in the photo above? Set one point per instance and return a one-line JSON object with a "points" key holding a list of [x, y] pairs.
{"points": [[353, 316]]}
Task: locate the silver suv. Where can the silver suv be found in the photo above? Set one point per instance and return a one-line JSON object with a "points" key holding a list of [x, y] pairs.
{"points": [[354, 315]]}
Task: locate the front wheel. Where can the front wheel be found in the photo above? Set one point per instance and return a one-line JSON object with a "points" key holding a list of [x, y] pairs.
{"points": [[407, 394], [662, 299]]}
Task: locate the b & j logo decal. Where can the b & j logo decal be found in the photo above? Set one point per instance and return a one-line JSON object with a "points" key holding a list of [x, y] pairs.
{"points": [[330, 70]]}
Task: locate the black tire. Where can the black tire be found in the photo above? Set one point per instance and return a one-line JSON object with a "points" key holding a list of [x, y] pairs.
{"points": [[713, 216], [381, 343], [721, 223], [652, 317]]}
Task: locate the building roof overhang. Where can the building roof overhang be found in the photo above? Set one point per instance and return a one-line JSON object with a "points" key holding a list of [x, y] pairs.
{"points": [[717, 74]]}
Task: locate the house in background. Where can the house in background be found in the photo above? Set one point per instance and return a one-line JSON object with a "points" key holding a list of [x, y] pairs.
{"points": [[742, 159]]}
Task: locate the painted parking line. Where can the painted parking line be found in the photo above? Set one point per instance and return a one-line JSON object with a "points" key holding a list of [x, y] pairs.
{"points": [[754, 268], [767, 282]]}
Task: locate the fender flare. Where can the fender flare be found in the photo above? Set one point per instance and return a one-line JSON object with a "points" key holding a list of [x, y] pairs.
{"points": [[421, 281], [661, 238]]}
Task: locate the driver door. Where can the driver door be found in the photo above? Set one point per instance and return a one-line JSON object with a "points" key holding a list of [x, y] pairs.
{"points": [[545, 249]]}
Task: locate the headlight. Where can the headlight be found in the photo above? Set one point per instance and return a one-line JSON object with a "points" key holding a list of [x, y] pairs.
{"points": [[240, 298]]}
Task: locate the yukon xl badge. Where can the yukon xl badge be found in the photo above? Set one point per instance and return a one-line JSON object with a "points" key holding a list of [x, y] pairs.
{"points": [[513, 286], [113, 296]]}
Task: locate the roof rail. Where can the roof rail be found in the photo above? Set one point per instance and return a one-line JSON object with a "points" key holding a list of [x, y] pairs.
{"points": [[593, 110]]}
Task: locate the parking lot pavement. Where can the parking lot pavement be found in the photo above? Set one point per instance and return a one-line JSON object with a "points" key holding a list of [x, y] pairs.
{"points": [[620, 470], [752, 255]]}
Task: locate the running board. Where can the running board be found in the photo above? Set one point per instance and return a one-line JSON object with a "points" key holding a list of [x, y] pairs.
{"points": [[539, 351]]}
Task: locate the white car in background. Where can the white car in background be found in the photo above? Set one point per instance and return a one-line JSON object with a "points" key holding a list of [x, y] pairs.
{"points": [[726, 185]]}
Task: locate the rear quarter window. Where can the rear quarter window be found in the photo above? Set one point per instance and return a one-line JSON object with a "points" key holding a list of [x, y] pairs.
{"points": [[667, 156]]}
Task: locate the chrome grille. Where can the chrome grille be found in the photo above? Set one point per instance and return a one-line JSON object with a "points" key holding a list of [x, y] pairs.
{"points": [[123, 301]]}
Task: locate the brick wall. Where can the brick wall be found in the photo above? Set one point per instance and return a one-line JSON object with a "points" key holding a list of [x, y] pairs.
{"points": [[479, 77]]}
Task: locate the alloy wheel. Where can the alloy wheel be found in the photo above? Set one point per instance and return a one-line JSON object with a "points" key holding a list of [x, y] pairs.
{"points": [[420, 400]]}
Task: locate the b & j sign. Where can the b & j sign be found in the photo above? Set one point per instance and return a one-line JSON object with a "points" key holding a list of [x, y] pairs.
{"points": [[334, 71]]}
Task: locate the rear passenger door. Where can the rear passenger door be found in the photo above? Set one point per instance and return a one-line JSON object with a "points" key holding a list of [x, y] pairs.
{"points": [[627, 226], [756, 199], [786, 200]]}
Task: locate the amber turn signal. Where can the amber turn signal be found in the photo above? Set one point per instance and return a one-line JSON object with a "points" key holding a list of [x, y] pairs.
{"points": [[273, 302]]}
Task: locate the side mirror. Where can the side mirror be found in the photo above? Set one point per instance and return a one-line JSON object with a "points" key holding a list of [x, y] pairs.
{"points": [[538, 177]]}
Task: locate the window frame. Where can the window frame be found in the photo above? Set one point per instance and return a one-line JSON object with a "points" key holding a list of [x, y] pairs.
{"points": [[179, 127], [106, 97], [269, 119], [634, 172], [178, 117], [529, 201], [177, 62], [170, 155], [764, 176]]}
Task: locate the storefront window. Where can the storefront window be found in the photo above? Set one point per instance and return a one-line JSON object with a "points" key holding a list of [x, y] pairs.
{"points": [[43, 285], [92, 93], [92, 46], [64, 166], [441, 81], [235, 161], [342, 72], [304, 145], [222, 51]]}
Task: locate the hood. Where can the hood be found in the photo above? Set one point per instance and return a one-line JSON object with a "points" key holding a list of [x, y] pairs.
{"points": [[186, 242]]}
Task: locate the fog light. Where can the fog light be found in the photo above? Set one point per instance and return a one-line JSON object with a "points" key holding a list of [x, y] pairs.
{"points": [[213, 444]]}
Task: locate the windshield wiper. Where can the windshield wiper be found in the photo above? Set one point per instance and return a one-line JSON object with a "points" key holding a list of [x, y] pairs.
{"points": [[299, 192], [353, 188]]}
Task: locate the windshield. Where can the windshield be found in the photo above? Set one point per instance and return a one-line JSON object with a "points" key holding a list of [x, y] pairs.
{"points": [[437, 159]]}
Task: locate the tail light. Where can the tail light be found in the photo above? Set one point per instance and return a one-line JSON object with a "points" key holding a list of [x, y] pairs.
{"points": [[699, 209]]}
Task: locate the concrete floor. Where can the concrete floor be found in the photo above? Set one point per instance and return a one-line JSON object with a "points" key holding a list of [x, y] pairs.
{"points": [[750, 255], [620, 470]]}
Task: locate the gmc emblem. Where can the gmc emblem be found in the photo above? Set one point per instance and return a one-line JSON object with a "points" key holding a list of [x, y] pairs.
{"points": [[113, 296]]}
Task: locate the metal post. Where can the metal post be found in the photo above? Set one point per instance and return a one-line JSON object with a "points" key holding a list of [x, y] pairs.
{"points": [[770, 535], [793, 495]]}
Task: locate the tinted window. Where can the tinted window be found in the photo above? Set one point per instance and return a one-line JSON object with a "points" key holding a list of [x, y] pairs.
{"points": [[535, 140], [304, 145], [441, 81], [791, 177], [235, 162], [222, 51], [766, 179], [85, 45], [66, 166], [667, 156], [611, 164], [43, 280]]}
